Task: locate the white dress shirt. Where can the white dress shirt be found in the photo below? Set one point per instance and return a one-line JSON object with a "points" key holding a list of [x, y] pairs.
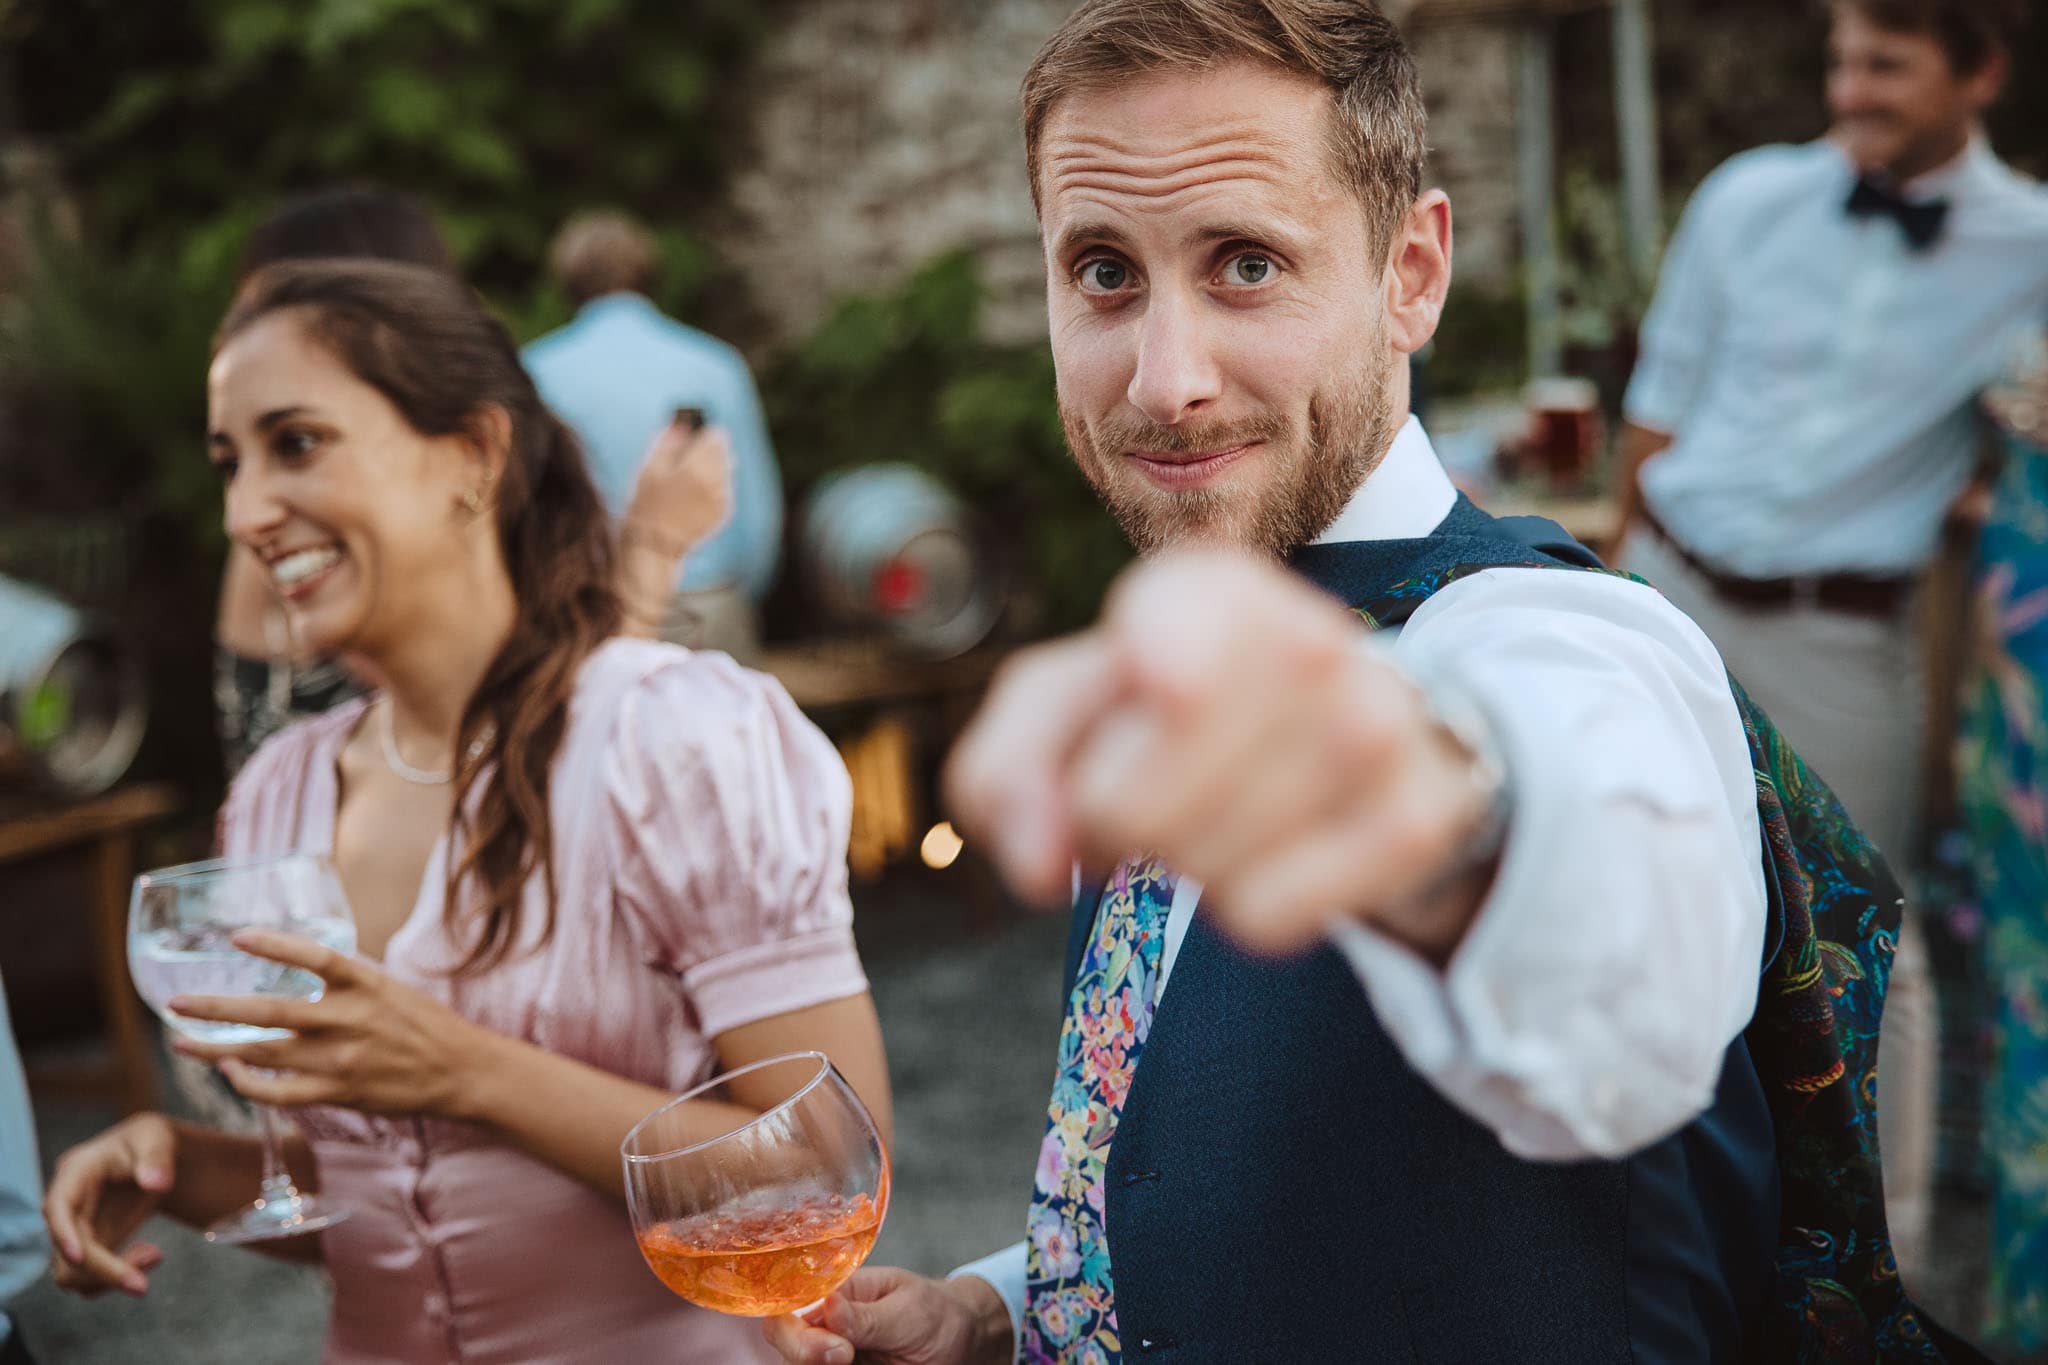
{"points": [[1820, 376], [1617, 953]]}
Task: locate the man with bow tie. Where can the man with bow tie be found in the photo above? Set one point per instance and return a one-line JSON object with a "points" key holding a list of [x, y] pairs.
{"points": [[1803, 415]]}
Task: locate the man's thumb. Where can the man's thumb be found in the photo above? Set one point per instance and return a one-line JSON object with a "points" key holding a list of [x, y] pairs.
{"points": [[869, 1326]]}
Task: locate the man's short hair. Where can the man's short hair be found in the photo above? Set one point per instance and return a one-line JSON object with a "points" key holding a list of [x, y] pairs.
{"points": [[1971, 32], [1379, 134], [602, 252]]}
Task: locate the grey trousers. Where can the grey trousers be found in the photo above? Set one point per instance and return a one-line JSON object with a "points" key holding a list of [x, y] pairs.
{"points": [[1849, 693]]}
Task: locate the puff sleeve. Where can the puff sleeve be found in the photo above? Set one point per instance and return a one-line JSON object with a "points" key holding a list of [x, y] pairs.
{"points": [[730, 812]]}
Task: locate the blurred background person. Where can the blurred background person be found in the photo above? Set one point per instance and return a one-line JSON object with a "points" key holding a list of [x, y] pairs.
{"points": [[1804, 413], [617, 375], [2002, 780], [651, 881], [262, 680], [24, 1249]]}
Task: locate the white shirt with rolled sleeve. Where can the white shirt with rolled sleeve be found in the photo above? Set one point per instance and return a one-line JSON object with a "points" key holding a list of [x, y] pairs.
{"points": [[1617, 955], [1818, 375]]}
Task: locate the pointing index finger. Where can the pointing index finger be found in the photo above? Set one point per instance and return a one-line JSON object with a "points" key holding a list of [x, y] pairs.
{"points": [[1006, 779]]}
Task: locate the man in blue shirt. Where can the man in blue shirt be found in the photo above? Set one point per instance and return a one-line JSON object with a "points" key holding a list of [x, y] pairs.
{"points": [[617, 374], [24, 1246]]}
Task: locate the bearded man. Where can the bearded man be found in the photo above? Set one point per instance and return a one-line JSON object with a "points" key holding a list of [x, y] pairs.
{"points": [[1418, 1014]]}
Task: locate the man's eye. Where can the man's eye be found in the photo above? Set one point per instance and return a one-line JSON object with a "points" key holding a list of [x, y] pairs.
{"points": [[1248, 267], [1105, 276]]}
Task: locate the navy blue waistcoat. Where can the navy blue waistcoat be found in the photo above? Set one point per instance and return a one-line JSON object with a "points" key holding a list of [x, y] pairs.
{"points": [[1283, 1188]]}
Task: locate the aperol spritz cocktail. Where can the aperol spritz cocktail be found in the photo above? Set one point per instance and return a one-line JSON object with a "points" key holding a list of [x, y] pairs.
{"points": [[771, 1215]]}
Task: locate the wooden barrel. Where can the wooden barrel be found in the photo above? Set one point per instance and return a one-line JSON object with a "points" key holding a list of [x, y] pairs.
{"points": [[887, 547]]}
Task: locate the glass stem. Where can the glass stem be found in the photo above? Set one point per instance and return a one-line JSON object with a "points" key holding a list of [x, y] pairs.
{"points": [[277, 1181]]}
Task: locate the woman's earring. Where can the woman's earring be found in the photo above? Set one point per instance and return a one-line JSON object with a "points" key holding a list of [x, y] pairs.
{"points": [[473, 502]]}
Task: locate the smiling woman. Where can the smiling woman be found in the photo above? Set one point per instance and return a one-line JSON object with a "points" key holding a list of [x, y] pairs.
{"points": [[587, 872]]}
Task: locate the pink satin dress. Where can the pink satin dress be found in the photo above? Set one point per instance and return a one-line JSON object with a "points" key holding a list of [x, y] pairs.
{"points": [[700, 827]]}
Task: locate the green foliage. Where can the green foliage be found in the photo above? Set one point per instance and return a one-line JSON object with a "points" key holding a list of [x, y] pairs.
{"points": [[107, 359], [182, 125], [906, 376], [1601, 293], [1482, 342]]}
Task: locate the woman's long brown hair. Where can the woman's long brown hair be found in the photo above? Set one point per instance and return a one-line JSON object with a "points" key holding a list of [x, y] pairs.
{"points": [[425, 341]]}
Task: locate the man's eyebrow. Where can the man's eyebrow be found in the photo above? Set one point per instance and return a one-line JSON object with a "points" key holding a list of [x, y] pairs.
{"points": [[1280, 234], [1094, 232]]}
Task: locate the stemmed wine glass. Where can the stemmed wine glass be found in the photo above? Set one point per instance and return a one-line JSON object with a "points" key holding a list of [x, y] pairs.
{"points": [[758, 1214], [180, 923]]}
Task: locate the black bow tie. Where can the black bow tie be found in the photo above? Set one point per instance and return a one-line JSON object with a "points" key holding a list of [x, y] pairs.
{"points": [[1922, 223]]}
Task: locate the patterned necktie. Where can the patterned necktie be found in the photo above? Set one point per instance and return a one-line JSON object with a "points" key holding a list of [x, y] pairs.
{"points": [[1070, 1310]]}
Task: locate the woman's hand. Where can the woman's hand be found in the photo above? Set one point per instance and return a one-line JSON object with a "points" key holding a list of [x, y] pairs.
{"points": [[369, 1043], [101, 1192]]}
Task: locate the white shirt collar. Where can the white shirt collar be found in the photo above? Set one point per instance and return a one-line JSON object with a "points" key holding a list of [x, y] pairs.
{"points": [[1404, 499], [1958, 173], [1952, 175]]}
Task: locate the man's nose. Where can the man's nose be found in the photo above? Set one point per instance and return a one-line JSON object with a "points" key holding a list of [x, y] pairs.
{"points": [[1849, 93], [1177, 371]]}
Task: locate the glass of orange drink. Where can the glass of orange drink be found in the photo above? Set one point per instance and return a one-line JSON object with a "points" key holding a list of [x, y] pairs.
{"points": [[761, 1191]]}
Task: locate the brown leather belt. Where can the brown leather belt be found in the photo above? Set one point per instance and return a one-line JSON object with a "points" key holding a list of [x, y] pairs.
{"points": [[1858, 594]]}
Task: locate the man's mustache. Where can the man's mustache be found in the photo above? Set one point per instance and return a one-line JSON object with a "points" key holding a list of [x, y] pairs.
{"points": [[1121, 434]]}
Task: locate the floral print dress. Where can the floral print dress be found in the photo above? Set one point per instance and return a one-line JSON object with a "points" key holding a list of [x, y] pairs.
{"points": [[2002, 775]]}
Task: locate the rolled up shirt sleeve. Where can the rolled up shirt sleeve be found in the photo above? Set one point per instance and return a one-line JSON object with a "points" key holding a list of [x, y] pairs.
{"points": [[1678, 332], [1617, 953]]}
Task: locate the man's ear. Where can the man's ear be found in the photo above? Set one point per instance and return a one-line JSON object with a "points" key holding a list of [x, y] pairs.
{"points": [[1419, 272], [1987, 82]]}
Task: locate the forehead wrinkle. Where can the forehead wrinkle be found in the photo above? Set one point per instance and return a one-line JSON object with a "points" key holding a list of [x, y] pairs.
{"points": [[1086, 163]]}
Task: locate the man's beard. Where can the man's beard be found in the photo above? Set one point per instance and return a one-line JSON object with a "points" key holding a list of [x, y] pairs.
{"points": [[1310, 475]]}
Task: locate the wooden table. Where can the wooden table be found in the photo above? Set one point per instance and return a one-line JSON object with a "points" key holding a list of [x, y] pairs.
{"points": [[894, 714], [106, 826], [824, 674]]}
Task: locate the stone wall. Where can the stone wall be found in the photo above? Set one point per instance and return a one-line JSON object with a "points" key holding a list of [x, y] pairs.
{"points": [[885, 132], [1470, 83]]}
